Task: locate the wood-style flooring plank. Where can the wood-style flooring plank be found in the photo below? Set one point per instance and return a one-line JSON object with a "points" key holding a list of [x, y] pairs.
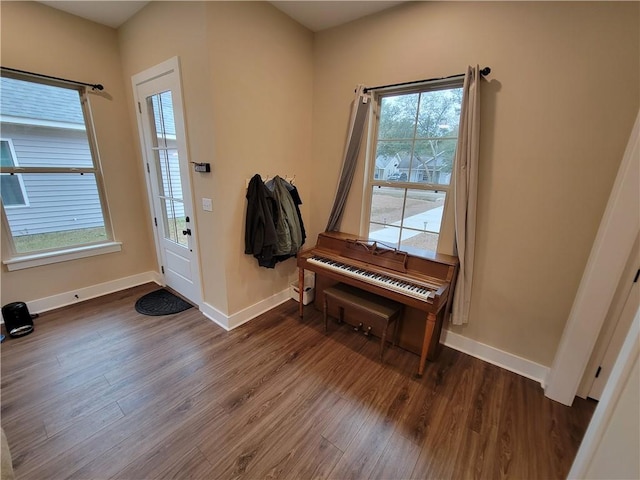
{"points": [[100, 391], [363, 453], [160, 460], [314, 459], [397, 460], [37, 454], [193, 465], [292, 436]]}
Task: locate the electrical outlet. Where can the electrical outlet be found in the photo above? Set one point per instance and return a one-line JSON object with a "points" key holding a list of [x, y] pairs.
{"points": [[207, 204]]}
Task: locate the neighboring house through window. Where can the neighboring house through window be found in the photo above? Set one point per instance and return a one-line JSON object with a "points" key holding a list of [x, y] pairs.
{"points": [[412, 149], [50, 168]]}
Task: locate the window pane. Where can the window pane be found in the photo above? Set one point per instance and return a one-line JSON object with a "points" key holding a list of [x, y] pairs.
{"points": [[433, 160], [422, 219], [439, 113], [423, 210], [46, 124], [162, 120], [64, 211], [386, 205], [388, 235], [414, 220], [174, 222], [10, 190], [398, 116], [423, 240], [170, 173], [393, 161], [6, 157]]}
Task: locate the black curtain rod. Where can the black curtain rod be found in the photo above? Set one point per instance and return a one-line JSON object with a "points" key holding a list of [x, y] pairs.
{"points": [[95, 86], [484, 72]]}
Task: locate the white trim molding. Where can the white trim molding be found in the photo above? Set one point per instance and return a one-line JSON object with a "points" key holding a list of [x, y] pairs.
{"points": [[46, 258], [86, 293], [229, 322], [500, 358], [36, 122], [613, 243]]}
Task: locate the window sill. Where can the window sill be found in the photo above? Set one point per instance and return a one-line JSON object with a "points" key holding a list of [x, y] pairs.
{"points": [[38, 259]]}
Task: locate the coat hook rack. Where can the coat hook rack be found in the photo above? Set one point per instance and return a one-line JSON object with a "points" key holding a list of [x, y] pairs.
{"points": [[287, 178]]}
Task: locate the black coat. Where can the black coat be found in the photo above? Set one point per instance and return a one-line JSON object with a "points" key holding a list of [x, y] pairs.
{"points": [[260, 231]]}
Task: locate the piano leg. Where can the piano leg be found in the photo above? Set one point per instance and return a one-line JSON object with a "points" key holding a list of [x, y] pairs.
{"points": [[300, 290], [428, 334]]}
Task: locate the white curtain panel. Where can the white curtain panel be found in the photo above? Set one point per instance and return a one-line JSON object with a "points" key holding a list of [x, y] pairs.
{"points": [[466, 188]]}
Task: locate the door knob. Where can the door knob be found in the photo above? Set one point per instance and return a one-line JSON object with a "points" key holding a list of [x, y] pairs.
{"points": [[186, 232]]}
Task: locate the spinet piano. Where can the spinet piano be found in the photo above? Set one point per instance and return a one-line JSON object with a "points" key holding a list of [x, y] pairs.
{"points": [[425, 283]]}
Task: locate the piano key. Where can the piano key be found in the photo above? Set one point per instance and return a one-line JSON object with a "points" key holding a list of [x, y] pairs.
{"points": [[385, 281]]}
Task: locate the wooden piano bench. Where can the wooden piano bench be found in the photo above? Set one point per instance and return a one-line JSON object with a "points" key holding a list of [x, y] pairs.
{"points": [[379, 311]]}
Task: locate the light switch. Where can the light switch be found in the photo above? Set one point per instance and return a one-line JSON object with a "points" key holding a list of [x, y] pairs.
{"points": [[207, 204]]}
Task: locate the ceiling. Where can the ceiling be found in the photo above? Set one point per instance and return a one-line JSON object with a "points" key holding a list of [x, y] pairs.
{"points": [[315, 15], [112, 13], [320, 15]]}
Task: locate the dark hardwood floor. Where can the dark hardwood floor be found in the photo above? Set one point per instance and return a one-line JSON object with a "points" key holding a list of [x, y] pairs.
{"points": [[100, 391]]}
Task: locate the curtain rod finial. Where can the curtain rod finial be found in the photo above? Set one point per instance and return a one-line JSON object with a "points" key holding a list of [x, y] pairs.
{"points": [[485, 71]]}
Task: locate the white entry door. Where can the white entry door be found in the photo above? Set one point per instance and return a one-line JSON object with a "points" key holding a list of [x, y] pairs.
{"points": [[158, 100]]}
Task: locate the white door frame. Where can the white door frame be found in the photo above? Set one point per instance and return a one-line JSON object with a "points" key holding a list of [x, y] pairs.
{"points": [[170, 67], [614, 330], [595, 440], [615, 238]]}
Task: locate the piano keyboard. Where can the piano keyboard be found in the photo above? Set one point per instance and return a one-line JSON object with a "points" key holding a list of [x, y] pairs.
{"points": [[390, 283]]}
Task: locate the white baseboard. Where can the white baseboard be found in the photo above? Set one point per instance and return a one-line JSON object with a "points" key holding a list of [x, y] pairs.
{"points": [[76, 296], [229, 322], [508, 361], [215, 315]]}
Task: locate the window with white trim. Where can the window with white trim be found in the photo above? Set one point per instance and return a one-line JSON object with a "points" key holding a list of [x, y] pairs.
{"points": [[412, 147], [50, 169]]}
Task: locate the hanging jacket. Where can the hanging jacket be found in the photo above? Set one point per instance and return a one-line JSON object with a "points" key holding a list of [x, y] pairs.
{"points": [[260, 232], [288, 224], [293, 191]]}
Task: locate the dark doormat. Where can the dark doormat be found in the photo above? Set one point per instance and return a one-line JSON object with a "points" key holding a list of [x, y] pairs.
{"points": [[161, 302]]}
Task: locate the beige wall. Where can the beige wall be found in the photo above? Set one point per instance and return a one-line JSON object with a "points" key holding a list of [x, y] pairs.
{"points": [[557, 111], [40, 39], [247, 79], [261, 85]]}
